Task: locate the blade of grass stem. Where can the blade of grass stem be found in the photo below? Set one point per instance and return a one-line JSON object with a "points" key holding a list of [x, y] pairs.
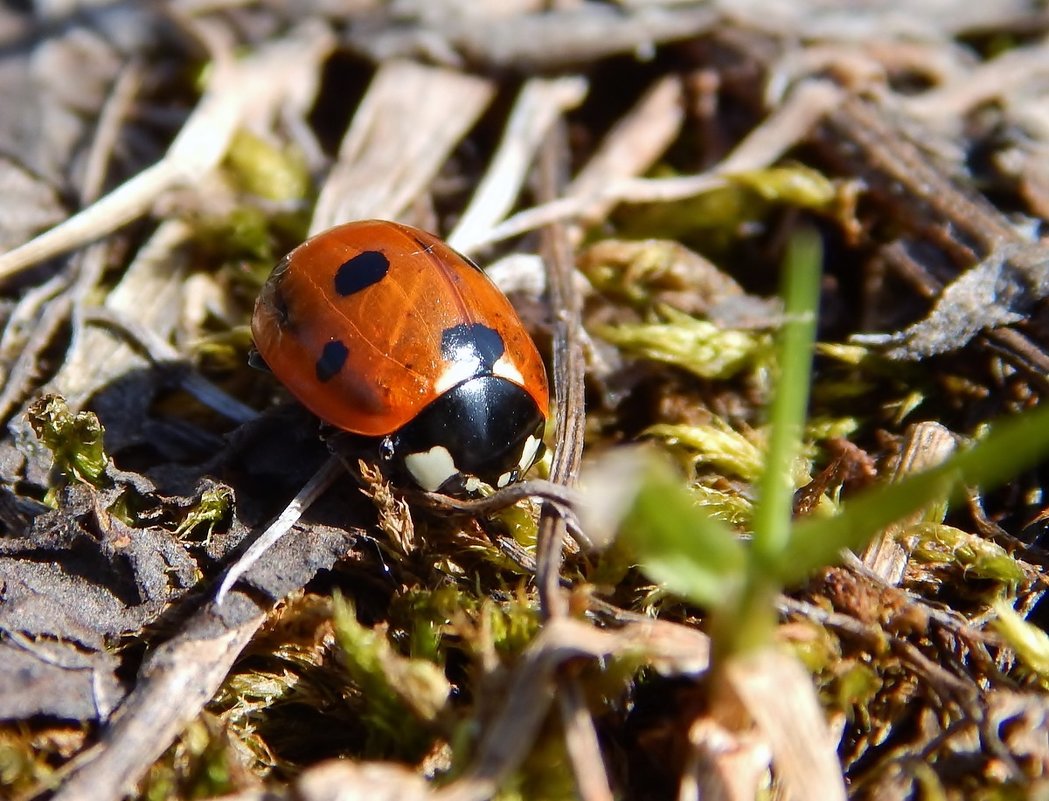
{"points": [[746, 622], [772, 513], [1012, 445]]}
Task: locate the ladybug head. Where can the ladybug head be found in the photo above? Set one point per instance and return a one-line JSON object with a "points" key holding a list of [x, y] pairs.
{"points": [[486, 429]]}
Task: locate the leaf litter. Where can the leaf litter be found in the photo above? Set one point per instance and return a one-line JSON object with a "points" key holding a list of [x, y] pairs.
{"points": [[658, 156]]}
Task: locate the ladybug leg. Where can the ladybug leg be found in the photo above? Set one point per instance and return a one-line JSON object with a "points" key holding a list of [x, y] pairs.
{"points": [[255, 360]]}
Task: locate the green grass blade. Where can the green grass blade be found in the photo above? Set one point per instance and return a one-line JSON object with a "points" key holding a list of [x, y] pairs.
{"points": [[1012, 445], [681, 547], [772, 513]]}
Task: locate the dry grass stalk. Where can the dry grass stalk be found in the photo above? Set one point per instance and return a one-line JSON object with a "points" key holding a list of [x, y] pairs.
{"points": [[395, 145], [539, 105], [259, 84], [928, 444]]}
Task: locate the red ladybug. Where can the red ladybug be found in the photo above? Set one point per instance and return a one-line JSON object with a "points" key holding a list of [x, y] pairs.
{"points": [[383, 330]]}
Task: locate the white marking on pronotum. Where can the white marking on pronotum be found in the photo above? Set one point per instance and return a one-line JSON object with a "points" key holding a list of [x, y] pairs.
{"points": [[460, 370], [431, 468], [504, 479], [504, 368], [528, 452], [456, 373]]}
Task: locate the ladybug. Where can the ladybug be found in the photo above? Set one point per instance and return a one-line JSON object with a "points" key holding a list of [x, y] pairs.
{"points": [[384, 331]]}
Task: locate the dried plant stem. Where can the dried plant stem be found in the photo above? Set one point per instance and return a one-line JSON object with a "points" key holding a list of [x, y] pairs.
{"points": [[260, 82], [592, 781], [173, 685], [384, 165], [568, 373], [302, 501], [784, 128], [539, 105]]}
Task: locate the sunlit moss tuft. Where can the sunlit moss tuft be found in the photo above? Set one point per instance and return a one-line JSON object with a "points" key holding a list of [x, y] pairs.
{"points": [[400, 697], [267, 171], [214, 507], [74, 439], [980, 558], [699, 346], [1030, 643]]}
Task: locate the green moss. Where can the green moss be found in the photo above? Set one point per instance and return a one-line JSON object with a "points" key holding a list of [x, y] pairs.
{"points": [[214, 507], [427, 615], [700, 347], [1029, 642], [264, 170], [715, 445], [400, 698], [74, 439], [23, 762], [715, 219], [200, 764], [545, 774], [980, 558], [513, 625]]}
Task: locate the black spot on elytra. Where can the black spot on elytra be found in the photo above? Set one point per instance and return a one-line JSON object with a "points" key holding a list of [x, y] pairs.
{"points": [[474, 342], [332, 359], [360, 272]]}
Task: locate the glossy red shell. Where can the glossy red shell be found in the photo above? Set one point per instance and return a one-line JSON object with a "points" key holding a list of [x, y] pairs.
{"points": [[385, 335]]}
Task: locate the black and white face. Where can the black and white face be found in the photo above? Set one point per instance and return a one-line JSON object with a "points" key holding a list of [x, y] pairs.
{"points": [[484, 430]]}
